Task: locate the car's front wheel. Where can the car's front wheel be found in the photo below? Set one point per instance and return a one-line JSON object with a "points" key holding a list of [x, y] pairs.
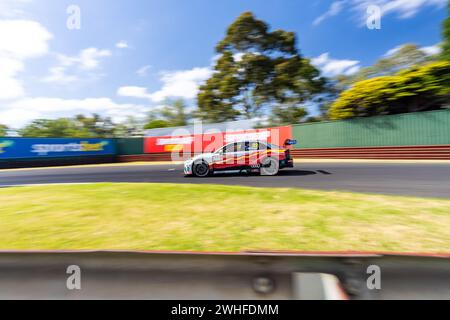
{"points": [[201, 169]]}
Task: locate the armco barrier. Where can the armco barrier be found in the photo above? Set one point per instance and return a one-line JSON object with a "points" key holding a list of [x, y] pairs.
{"points": [[236, 276]]}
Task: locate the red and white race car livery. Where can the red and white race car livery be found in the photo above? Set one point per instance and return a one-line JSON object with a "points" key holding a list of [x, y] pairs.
{"points": [[249, 156]]}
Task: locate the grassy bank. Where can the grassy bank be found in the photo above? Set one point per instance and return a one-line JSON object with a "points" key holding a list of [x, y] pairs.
{"points": [[217, 218]]}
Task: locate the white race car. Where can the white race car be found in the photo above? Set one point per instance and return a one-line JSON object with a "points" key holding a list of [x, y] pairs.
{"points": [[249, 156]]}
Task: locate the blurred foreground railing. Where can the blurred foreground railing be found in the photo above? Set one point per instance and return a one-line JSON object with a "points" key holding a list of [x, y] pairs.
{"points": [[255, 276]]}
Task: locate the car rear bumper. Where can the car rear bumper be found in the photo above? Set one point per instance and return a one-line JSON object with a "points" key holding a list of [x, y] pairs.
{"points": [[287, 163]]}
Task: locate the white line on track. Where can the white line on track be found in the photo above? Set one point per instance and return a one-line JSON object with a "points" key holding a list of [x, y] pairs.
{"points": [[44, 184]]}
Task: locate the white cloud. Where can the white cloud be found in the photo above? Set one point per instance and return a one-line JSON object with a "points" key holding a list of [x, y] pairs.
{"points": [[404, 9], [352, 70], [239, 56], [20, 40], [58, 75], [73, 68], [181, 84], [333, 67], [143, 71], [12, 8], [23, 39], [320, 60], [90, 58], [335, 8], [10, 86], [432, 50], [122, 44], [176, 84], [392, 51], [50, 105], [16, 118], [22, 111], [429, 50], [134, 92]]}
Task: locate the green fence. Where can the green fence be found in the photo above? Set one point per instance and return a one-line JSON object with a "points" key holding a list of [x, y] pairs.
{"points": [[412, 129], [130, 146]]}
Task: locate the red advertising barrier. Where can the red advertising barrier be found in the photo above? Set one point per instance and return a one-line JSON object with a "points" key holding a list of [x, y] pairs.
{"points": [[209, 142]]}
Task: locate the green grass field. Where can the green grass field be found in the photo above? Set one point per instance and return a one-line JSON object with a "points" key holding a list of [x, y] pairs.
{"points": [[217, 218]]}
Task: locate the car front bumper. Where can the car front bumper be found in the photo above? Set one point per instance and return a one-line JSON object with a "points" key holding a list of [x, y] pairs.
{"points": [[188, 168]]}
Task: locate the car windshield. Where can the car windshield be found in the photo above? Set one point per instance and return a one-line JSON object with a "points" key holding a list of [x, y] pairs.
{"points": [[227, 149]]}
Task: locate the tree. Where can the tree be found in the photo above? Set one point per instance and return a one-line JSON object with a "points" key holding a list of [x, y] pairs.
{"points": [[257, 69], [446, 34], [404, 57], [3, 130], [174, 112], [156, 124], [287, 114], [78, 127], [131, 127], [420, 88], [217, 97], [97, 126], [59, 128]]}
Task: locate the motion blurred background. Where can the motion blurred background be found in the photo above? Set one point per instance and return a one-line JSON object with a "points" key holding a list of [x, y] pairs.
{"points": [[93, 95]]}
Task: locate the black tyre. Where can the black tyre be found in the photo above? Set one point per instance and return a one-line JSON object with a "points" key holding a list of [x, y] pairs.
{"points": [[270, 166], [201, 169]]}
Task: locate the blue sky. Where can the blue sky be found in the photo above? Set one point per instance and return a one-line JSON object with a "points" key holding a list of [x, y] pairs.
{"points": [[129, 56]]}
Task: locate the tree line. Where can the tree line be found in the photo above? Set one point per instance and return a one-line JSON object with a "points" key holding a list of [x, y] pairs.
{"points": [[260, 73]]}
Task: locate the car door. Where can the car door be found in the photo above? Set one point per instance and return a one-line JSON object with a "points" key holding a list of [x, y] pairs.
{"points": [[225, 158], [241, 154], [252, 150]]}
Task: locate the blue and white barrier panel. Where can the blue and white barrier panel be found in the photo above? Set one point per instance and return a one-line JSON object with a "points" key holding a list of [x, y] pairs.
{"points": [[16, 148]]}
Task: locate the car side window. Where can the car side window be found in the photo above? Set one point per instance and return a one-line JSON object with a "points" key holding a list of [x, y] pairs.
{"points": [[263, 146], [253, 146], [230, 148], [241, 147]]}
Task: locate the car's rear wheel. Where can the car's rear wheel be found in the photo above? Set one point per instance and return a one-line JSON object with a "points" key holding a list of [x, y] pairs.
{"points": [[201, 169], [270, 166]]}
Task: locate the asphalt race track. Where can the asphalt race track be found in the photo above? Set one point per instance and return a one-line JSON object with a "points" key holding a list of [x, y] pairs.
{"points": [[427, 179]]}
